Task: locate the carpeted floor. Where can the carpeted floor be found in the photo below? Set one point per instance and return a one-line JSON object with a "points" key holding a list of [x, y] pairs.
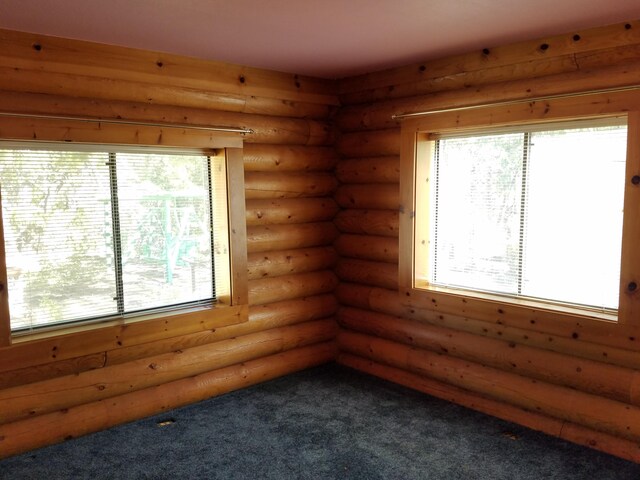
{"points": [[324, 423]]}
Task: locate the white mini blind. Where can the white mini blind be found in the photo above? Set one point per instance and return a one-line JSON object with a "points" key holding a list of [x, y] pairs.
{"points": [[98, 234], [535, 213], [477, 212]]}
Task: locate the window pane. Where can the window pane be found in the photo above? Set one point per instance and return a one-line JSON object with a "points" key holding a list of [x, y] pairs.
{"points": [[542, 220], [58, 236], [574, 215], [165, 229], [477, 212]]}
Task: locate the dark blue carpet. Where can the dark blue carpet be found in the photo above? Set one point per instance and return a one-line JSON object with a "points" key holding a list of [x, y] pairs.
{"points": [[326, 423]]}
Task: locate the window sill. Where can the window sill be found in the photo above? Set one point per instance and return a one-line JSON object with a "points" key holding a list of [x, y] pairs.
{"points": [[143, 328], [499, 302], [516, 318]]}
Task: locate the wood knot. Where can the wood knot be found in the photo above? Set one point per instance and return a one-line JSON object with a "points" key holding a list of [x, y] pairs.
{"points": [[37, 47]]}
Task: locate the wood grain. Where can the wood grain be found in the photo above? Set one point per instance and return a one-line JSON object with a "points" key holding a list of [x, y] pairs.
{"points": [[55, 427]]}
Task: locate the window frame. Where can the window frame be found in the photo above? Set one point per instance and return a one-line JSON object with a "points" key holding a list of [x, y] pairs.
{"points": [[520, 313], [229, 309]]}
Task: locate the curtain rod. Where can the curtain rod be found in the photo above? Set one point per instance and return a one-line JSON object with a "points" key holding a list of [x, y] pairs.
{"points": [[516, 102], [128, 122]]}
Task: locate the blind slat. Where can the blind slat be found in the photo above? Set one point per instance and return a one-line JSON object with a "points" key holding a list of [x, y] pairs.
{"points": [[533, 214], [59, 234]]}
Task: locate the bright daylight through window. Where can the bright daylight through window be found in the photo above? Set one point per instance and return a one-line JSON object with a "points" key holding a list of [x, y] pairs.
{"points": [[534, 213], [99, 234]]}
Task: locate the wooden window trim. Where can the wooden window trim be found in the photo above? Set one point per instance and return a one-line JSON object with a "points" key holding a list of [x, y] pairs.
{"points": [[237, 227], [228, 311], [523, 314]]}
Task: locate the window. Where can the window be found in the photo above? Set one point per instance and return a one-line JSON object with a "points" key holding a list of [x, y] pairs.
{"points": [[525, 215], [100, 233], [523, 212]]}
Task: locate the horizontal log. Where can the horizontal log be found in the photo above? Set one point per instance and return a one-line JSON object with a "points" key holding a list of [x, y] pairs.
{"points": [[287, 262], [15, 79], [431, 82], [266, 106], [68, 391], [322, 131], [286, 211], [592, 411], [530, 69], [55, 427], [56, 130], [288, 185], [529, 318], [99, 338], [601, 441], [568, 431], [359, 296], [374, 143], [38, 373], [77, 57], [389, 302], [271, 238], [377, 274], [287, 287], [380, 115], [266, 129], [288, 158], [369, 196], [610, 36], [565, 370], [296, 310], [594, 59], [635, 389], [368, 222], [369, 170], [261, 317], [368, 247]]}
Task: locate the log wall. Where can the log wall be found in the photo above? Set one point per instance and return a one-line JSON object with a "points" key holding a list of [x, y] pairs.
{"points": [[583, 388], [64, 386], [322, 242]]}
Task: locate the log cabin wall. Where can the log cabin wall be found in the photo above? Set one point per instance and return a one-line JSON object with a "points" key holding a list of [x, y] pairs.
{"points": [[64, 386], [306, 208], [575, 383]]}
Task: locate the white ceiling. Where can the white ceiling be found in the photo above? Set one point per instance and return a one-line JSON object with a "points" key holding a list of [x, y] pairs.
{"points": [[326, 38]]}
